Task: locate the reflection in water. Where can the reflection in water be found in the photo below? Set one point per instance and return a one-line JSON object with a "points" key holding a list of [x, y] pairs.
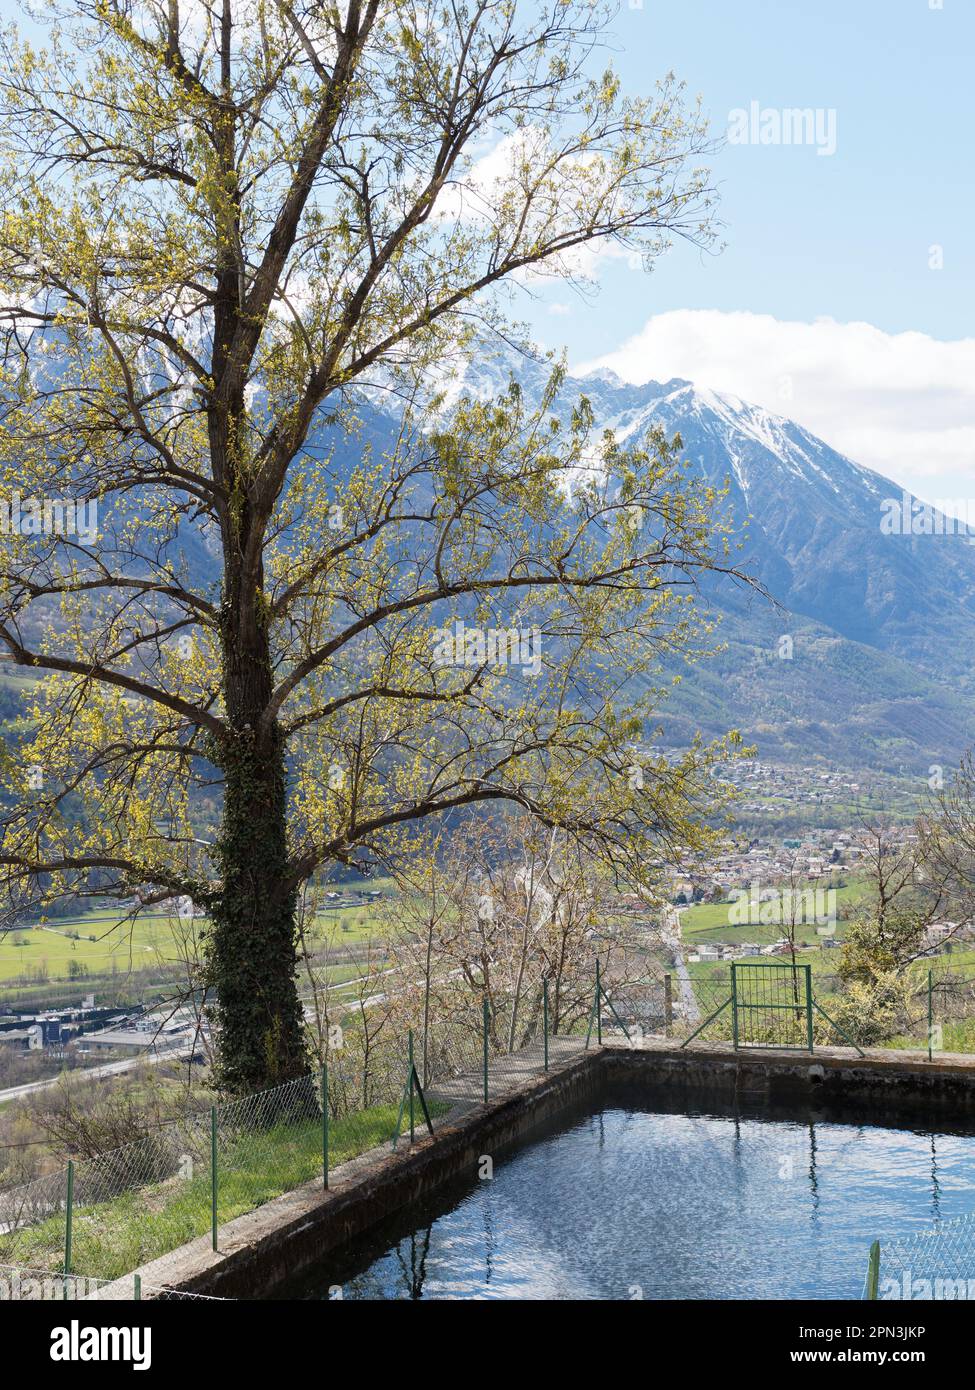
{"points": [[413, 1268], [627, 1203], [813, 1179], [935, 1188]]}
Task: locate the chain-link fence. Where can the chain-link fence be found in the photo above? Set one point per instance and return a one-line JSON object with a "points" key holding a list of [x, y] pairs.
{"points": [[25, 1284], [942, 1010], [928, 1008], [108, 1214], [382, 1078], [388, 1074], [935, 1264], [27, 1210], [903, 1013]]}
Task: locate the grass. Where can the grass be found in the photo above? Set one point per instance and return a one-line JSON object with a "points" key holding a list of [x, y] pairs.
{"points": [[824, 963], [955, 1037], [347, 925], [98, 943], [112, 1238], [49, 947], [709, 921]]}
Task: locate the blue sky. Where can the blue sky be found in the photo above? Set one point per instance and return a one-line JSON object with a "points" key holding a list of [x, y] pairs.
{"points": [[845, 235], [823, 306]]}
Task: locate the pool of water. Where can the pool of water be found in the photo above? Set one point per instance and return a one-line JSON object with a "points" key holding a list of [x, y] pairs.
{"points": [[630, 1202]]}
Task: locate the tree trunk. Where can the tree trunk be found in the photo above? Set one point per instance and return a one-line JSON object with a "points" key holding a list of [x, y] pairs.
{"points": [[253, 941], [253, 956]]}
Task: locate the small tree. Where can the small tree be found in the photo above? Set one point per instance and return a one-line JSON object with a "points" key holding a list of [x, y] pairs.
{"points": [[946, 838], [908, 890], [500, 909]]}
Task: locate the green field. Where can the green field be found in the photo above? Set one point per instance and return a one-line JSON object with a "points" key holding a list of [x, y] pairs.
{"points": [[101, 945], [709, 921], [99, 942]]}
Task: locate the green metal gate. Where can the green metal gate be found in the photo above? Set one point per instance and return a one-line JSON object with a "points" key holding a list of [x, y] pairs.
{"points": [[772, 1006]]}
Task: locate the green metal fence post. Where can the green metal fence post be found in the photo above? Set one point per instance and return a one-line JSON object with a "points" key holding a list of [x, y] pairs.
{"points": [[809, 1016], [613, 1011], [137, 1281], [213, 1174], [593, 1010], [873, 1272], [402, 1107], [325, 1125], [930, 1013], [68, 1217], [668, 1005], [484, 1008], [423, 1103], [412, 1089], [410, 1083], [734, 1007], [599, 1012], [545, 1017]]}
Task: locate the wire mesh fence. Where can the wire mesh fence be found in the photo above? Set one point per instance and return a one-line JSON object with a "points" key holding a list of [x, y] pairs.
{"points": [[115, 1212], [29, 1208], [265, 1145], [935, 1264], [944, 1010], [119, 1209], [365, 1083], [907, 1014], [638, 1009], [702, 1007], [389, 1075], [928, 1008], [26, 1284]]}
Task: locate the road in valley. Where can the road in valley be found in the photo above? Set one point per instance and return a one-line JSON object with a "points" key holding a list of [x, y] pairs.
{"points": [[177, 1049], [671, 933]]}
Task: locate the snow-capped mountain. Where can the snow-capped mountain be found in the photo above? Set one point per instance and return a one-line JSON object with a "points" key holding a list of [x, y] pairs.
{"points": [[879, 665], [816, 520]]}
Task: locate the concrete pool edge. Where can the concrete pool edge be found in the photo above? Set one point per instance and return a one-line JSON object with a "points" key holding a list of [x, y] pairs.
{"points": [[885, 1080], [269, 1247]]}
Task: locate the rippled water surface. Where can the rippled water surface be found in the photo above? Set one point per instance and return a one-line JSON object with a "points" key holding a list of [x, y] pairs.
{"points": [[627, 1203]]}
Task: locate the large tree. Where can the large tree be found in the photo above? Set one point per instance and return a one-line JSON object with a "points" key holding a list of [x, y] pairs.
{"points": [[221, 223]]}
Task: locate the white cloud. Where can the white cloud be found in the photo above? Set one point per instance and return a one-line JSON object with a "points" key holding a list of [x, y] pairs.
{"points": [[902, 403]]}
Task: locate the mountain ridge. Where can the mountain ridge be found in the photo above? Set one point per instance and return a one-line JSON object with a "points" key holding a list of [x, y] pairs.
{"points": [[881, 627]]}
